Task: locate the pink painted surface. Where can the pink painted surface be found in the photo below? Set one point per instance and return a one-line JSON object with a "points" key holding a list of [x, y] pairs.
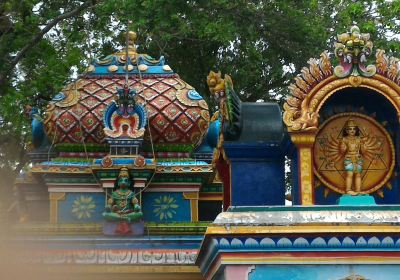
{"points": [[237, 272]]}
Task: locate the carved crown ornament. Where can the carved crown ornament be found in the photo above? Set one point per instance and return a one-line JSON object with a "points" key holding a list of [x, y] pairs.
{"points": [[320, 79]]}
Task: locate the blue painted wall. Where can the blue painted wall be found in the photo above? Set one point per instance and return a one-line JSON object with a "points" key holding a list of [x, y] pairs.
{"points": [[323, 272], [81, 208], [258, 182], [157, 207], [165, 207], [257, 173]]}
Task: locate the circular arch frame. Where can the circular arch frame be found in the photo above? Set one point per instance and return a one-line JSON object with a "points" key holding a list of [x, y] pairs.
{"points": [[326, 88]]}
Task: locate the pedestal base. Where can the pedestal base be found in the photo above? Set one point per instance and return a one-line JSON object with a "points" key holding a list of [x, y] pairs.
{"points": [[356, 200], [123, 228]]}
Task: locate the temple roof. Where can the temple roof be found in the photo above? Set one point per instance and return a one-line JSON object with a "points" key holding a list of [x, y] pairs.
{"points": [[177, 113], [128, 61]]}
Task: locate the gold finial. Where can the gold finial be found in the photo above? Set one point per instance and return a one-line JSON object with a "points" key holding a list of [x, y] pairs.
{"points": [[131, 41]]}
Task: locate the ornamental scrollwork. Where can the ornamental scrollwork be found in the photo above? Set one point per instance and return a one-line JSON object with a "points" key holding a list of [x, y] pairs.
{"points": [[298, 113], [222, 91], [388, 66], [353, 49]]}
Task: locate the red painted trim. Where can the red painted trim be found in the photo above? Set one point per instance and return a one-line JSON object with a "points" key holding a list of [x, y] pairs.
{"points": [[225, 173]]}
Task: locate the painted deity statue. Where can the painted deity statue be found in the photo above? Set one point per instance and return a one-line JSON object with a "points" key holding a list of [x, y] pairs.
{"points": [[352, 150], [123, 205], [352, 147]]}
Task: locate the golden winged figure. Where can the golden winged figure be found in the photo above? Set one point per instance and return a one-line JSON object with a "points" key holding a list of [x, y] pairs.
{"points": [[355, 146]]}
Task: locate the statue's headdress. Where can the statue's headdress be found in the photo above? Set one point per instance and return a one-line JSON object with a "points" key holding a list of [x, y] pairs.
{"points": [[123, 172], [351, 123]]}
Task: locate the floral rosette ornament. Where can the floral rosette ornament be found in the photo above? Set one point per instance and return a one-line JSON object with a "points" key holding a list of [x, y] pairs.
{"points": [[140, 161], [107, 162], [353, 48]]}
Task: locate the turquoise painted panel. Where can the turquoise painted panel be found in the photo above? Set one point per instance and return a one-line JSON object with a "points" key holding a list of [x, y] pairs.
{"points": [[357, 200], [324, 272], [81, 208], [165, 207]]}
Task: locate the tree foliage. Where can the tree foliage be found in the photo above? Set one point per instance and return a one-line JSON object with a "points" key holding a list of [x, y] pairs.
{"points": [[262, 44]]}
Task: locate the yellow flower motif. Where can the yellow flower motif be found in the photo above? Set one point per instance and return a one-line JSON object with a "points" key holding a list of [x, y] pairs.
{"points": [[164, 207], [83, 207]]}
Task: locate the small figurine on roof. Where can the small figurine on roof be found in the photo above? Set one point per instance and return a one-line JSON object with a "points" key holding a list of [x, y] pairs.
{"points": [[122, 210]]}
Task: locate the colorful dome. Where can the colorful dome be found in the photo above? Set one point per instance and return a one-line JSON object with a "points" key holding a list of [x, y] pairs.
{"points": [[177, 114]]}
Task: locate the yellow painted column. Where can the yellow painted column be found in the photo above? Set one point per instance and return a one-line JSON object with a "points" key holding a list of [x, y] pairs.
{"points": [[54, 198], [305, 143], [194, 204]]}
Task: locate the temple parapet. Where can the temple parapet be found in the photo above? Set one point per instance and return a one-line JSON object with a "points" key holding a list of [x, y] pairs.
{"points": [[343, 123]]}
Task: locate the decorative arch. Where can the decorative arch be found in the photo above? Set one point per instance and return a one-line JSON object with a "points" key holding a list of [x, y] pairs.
{"points": [[320, 80], [301, 109]]}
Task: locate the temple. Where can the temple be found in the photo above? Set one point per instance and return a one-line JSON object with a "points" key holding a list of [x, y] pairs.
{"points": [[131, 175]]}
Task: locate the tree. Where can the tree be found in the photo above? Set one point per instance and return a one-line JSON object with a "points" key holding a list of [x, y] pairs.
{"points": [[261, 44]]}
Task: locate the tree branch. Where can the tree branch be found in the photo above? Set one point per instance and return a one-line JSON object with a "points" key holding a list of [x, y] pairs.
{"points": [[40, 35]]}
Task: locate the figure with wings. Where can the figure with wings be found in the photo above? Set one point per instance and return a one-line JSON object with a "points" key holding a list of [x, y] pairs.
{"points": [[353, 148]]}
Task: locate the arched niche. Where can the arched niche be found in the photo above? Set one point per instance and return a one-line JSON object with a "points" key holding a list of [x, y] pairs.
{"points": [[315, 87], [373, 104]]}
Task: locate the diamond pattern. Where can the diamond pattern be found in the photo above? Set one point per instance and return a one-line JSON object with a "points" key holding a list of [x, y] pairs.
{"points": [[104, 82], [170, 81], [75, 135], [91, 88], [151, 111], [90, 122], [99, 111], [184, 123], [149, 82], [171, 112], [170, 94], [103, 94], [78, 111], [83, 94], [170, 120], [90, 102], [66, 121], [160, 102], [160, 123], [138, 87], [193, 113], [149, 94], [160, 87]]}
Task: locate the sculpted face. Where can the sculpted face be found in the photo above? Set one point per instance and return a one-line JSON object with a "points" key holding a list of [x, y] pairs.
{"points": [[351, 130], [123, 182]]}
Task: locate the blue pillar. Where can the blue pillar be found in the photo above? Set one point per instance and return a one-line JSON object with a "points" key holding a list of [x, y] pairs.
{"points": [[257, 173]]}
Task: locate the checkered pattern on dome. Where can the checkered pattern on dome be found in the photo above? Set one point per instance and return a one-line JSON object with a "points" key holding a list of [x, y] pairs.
{"points": [[173, 116]]}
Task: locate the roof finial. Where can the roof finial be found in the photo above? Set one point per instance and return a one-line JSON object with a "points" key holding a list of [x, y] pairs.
{"points": [[353, 49], [131, 41]]}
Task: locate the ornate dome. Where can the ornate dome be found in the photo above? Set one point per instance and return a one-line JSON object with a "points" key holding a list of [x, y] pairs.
{"points": [[177, 114]]}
